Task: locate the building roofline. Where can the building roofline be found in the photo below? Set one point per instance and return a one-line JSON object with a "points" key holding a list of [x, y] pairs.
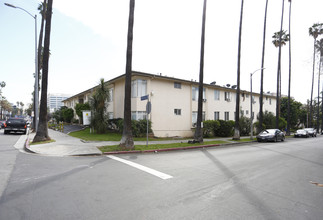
{"points": [[160, 76]]}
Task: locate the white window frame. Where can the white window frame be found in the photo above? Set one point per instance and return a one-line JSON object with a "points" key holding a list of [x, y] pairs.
{"points": [[226, 116], [177, 85], [217, 94], [138, 88], [216, 115], [177, 111]]}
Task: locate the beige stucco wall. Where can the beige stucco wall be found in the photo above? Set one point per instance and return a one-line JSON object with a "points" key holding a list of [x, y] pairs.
{"points": [[165, 98]]}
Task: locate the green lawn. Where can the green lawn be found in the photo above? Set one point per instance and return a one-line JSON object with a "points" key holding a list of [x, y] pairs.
{"points": [[159, 146], [87, 136]]}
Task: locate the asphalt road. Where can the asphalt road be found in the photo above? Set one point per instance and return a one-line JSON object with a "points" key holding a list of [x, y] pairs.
{"points": [[254, 181]]}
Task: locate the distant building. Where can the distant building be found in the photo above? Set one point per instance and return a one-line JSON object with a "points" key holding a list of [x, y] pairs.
{"points": [[54, 101], [174, 102]]}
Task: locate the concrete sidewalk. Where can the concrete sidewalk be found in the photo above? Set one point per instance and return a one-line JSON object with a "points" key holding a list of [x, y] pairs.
{"points": [[66, 145]]}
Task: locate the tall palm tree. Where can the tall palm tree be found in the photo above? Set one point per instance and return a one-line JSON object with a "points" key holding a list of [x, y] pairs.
{"points": [[198, 136], [290, 70], [236, 135], [279, 67], [319, 48], [314, 31], [127, 138], [262, 72], [42, 131], [42, 11]]}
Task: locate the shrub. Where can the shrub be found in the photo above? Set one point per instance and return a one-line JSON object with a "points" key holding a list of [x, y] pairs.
{"points": [[226, 129], [139, 128], [244, 125], [210, 127]]}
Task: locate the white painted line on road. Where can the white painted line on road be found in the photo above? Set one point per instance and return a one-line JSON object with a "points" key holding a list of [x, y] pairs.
{"points": [[143, 168]]}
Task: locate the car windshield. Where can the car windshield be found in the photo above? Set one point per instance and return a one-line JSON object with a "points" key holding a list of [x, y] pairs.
{"points": [[269, 131], [300, 131], [309, 129]]}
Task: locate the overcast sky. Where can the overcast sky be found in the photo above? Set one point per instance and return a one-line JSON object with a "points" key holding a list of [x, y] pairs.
{"points": [[88, 42]]}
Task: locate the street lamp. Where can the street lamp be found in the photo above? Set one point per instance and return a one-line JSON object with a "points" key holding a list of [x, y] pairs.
{"points": [[36, 65], [251, 102]]}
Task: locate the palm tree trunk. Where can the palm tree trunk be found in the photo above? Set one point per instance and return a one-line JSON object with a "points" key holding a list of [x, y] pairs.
{"points": [[318, 100], [40, 45], [198, 136], [236, 135], [311, 103], [262, 72], [290, 71], [279, 70], [127, 139], [42, 131]]}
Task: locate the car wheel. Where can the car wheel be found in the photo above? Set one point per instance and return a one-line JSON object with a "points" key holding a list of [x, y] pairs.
{"points": [[283, 138], [275, 140]]}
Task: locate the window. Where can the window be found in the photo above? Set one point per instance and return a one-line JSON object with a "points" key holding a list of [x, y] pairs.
{"points": [[194, 118], [138, 88], [227, 96], [226, 116], [216, 115], [110, 98], [110, 115], [269, 101], [195, 93], [247, 112], [140, 115], [216, 95], [178, 111], [242, 112], [177, 85]]}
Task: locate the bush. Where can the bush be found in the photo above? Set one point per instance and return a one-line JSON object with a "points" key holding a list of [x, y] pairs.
{"points": [[209, 128], [244, 126], [139, 128], [226, 129]]}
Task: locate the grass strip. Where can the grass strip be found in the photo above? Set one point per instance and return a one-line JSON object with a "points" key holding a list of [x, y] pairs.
{"points": [[159, 146], [42, 142]]}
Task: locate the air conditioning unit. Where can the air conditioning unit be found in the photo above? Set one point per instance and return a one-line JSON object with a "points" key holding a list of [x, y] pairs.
{"points": [[204, 100], [228, 100]]}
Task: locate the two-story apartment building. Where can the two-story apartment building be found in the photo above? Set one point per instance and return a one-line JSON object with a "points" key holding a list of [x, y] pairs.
{"points": [[174, 102]]}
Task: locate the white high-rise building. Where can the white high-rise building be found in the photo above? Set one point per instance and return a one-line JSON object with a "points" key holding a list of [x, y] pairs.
{"points": [[54, 101]]}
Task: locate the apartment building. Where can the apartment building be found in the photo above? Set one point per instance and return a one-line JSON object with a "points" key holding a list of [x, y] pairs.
{"points": [[54, 101], [174, 102]]}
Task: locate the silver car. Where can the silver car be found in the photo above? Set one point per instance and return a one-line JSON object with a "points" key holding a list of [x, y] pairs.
{"points": [[311, 131], [271, 135]]}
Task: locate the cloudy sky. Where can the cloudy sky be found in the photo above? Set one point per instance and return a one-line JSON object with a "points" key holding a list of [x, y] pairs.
{"points": [[88, 42]]}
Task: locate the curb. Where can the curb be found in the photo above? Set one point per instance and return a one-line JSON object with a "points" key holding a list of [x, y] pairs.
{"points": [[174, 149]]}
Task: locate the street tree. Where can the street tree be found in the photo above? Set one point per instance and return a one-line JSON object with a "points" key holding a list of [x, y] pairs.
{"points": [[314, 31], [290, 68], [42, 131], [319, 48], [127, 138], [262, 72], [198, 136], [2, 85], [236, 135], [98, 104], [279, 39]]}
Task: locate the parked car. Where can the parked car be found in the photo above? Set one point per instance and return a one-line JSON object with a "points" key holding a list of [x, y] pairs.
{"points": [[301, 133], [271, 135], [15, 125], [311, 131]]}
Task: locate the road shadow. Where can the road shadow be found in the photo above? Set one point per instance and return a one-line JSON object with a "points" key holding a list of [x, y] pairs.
{"points": [[258, 203]]}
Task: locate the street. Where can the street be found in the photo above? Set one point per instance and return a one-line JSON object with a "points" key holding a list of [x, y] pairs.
{"points": [[250, 181]]}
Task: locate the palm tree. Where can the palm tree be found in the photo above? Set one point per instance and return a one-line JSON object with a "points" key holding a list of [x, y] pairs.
{"points": [[280, 39], [198, 136], [42, 11], [236, 135], [319, 48], [262, 72], [99, 107], [42, 131], [314, 31], [127, 138], [290, 71]]}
